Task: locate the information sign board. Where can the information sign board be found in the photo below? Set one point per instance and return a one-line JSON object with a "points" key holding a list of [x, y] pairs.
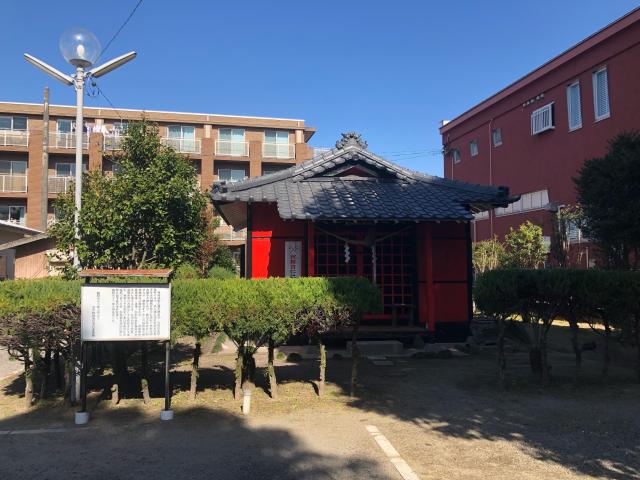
{"points": [[121, 312]]}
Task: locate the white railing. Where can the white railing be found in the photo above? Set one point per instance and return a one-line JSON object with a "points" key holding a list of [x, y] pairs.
{"points": [[13, 183], [67, 140], [226, 232], [278, 150], [14, 138], [59, 184], [183, 145], [232, 149], [113, 142]]}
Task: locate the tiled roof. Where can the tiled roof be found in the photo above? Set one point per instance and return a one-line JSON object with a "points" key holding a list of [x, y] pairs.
{"points": [[323, 189]]}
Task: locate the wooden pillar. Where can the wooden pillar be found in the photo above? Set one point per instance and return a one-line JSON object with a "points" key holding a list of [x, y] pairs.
{"points": [[311, 249], [469, 271]]}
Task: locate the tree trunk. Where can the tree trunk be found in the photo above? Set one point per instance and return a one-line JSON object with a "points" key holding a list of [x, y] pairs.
{"points": [[28, 379], [544, 359], [355, 353], [238, 373], [115, 395], [502, 359], [144, 381], [194, 371], [273, 382], [248, 368], [58, 370], [45, 371], [323, 366], [605, 357], [577, 350], [535, 357]]}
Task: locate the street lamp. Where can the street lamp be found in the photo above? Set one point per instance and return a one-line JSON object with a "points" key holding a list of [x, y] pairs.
{"points": [[81, 49]]}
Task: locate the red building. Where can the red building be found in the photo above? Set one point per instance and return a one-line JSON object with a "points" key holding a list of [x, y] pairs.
{"points": [[349, 212], [535, 134]]}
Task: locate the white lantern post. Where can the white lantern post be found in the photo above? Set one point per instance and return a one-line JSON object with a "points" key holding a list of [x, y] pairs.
{"points": [[81, 49]]}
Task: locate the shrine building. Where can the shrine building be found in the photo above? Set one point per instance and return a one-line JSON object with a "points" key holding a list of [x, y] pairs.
{"points": [[349, 212]]}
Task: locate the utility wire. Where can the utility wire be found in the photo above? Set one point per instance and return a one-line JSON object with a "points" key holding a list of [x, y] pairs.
{"points": [[101, 92], [119, 29]]}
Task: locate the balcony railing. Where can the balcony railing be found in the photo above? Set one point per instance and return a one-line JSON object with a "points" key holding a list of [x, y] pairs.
{"points": [[183, 145], [226, 232], [60, 184], [13, 183], [278, 150], [67, 140], [113, 142], [232, 149], [14, 138]]}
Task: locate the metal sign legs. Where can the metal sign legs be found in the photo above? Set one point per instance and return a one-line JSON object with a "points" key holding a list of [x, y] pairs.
{"points": [[82, 416]]}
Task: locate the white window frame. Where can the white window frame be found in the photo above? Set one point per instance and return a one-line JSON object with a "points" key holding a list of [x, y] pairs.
{"points": [[495, 143], [455, 155], [569, 106], [473, 148], [13, 120], [528, 202], [12, 162], [231, 170], [594, 81], [539, 113], [22, 218]]}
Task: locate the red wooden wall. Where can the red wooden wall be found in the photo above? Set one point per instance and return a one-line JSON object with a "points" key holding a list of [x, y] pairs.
{"points": [[268, 232], [442, 262]]}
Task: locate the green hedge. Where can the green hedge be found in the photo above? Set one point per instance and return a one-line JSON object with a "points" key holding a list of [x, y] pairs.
{"points": [[609, 298], [43, 315]]}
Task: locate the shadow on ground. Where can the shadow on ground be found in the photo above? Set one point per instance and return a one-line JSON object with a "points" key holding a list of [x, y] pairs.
{"points": [[200, 443]]}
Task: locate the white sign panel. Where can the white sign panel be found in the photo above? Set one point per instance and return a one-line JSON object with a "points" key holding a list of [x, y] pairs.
{"points": [[125, 312], [292, 258]]}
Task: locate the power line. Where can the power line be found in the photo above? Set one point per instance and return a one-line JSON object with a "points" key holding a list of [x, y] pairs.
{"points": [[120, 29], [108, 101]]}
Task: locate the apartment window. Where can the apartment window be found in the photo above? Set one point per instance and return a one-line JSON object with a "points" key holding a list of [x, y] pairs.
{"points": [[481, 215], [455, 154], [13, 123], [231, 174], [120, 128], [276, 144], [601, 94], [13, 214], [13, 167], [473, 148], [66, 125], [542, 119], [231, 142], [181, 131], [574, 106], [67, 169], [528, 201], [266, 169], [496, 137]]}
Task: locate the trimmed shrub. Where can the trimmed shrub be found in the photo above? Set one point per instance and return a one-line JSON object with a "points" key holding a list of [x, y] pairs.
{"points": [[607, 297]]}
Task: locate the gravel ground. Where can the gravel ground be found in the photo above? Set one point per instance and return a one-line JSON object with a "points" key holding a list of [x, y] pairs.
{"points": [[7, 366], [446, 417]]}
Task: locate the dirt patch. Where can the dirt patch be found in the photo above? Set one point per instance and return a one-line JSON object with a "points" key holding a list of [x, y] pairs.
{"points": [[446, 417]]}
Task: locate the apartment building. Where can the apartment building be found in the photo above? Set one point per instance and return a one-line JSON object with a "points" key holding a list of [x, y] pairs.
{"points": [[535, 134], [221, 147]]}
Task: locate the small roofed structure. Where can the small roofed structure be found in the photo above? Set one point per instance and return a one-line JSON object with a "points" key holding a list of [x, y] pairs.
{"points": [[349, 212]]}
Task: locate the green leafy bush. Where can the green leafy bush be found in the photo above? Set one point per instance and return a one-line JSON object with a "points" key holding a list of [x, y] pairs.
{"points": [[610, 298], [221, 273]]}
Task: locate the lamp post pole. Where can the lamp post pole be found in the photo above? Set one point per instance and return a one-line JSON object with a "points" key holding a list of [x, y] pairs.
{"points": [[81, 49], [79, 86]]}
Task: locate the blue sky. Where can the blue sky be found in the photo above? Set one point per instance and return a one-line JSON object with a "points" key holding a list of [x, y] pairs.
{"points": [[390, 70]]}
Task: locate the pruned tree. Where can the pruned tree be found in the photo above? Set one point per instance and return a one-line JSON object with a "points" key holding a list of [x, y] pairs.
{"points": [[608, 191]]}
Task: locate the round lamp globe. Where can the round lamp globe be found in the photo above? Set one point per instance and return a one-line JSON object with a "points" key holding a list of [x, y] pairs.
{"points": [[79, 47]]}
